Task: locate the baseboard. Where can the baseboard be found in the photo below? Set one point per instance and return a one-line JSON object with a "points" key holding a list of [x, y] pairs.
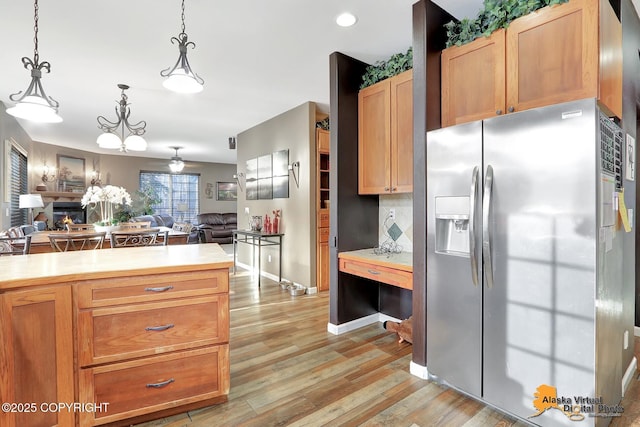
{"points": [[358, 323], [636, 331], [274, 277], [418, 370], [628, 375]]}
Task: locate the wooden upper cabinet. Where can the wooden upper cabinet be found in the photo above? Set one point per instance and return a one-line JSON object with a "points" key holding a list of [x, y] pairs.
{"points": [[324, 140], [402, 133], [385, 136], [473, 80], [550, 56]]}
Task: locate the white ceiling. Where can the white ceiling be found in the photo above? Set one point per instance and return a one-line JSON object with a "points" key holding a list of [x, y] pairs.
{"points": [[258, 59]]}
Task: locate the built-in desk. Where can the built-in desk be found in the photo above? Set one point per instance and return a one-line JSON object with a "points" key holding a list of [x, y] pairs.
{"points": [[392, 269]]}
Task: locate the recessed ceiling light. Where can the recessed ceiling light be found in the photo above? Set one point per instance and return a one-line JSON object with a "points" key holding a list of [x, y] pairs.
{"points": [[346, 19]]}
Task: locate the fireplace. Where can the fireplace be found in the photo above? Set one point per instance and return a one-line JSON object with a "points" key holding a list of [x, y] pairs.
{"points": [[72, 210]]}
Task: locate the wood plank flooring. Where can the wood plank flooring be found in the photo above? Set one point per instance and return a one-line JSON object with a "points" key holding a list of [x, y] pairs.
{"points": [[287, 370]]}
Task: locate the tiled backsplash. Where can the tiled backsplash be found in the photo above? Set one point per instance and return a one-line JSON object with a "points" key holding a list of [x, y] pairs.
{"points": [[403, 204]]}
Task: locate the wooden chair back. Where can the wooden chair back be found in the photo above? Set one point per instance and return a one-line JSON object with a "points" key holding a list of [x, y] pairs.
{"points": [[15, 245], [185, 227], [77, 241], [139, 237], [80, 227], [134, 225]]}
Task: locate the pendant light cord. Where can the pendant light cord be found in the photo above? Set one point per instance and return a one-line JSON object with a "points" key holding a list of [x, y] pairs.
{"points": [[35, 30], [182, 17]]}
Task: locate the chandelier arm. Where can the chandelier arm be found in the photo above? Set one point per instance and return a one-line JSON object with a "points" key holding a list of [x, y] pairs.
{"points": [[187, 66], [28, 63], [39, 89]]}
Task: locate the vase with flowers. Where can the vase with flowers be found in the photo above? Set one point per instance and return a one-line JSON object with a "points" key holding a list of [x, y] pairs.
{"points": [[104, 200]]}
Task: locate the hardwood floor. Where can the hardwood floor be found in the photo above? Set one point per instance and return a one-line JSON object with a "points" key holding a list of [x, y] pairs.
{"points": [[286, 369]]}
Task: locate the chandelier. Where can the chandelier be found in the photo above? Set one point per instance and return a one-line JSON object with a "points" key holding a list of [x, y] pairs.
{"points": [[34, 104], [176, 164], [111, 139], [181, 77]]}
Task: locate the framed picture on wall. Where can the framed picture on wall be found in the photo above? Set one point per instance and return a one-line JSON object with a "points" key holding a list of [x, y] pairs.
{"points": [[71, 175], [227, 191], [252, 179]]}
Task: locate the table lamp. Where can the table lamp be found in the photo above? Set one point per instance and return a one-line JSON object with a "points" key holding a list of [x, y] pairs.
{"points": [[30, 201]]}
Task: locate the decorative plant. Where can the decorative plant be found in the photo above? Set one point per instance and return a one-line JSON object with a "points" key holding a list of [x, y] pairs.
{"points": [[495, 14], [105, 198], [146, 199], [383, 69], [323, 124]]}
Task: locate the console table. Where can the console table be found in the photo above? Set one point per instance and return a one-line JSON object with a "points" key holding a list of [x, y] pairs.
{"points": [[259, 239]]}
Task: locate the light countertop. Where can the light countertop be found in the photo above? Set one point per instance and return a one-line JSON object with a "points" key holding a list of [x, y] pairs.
{"points": [[59, 267], [402, 261]]}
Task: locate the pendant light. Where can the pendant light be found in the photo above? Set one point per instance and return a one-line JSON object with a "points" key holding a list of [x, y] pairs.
{"points": [[111, 139], [34, 104], [181, 77], [176, 164]]}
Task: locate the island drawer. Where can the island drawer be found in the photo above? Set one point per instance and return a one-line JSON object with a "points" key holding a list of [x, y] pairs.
{"points": [[153, 384], [150, 287], [390, 276], [122, 332], [323, 218]]}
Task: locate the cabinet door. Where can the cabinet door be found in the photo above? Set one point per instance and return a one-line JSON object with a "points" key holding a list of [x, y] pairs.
{"points": [[323, 260], [402, 133], [324, 140], [374, 139], [473, 80], [36, 355], [552, 55]]}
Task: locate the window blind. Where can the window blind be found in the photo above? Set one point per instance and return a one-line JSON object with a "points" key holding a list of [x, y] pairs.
{"points": [[18, 185]]}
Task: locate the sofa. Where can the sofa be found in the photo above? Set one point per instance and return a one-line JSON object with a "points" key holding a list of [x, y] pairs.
{"points": [[217, 227], [165, 220]]}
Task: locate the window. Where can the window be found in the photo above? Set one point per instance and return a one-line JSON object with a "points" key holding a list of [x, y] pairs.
{"points": [[178, 193], [17, 182]]}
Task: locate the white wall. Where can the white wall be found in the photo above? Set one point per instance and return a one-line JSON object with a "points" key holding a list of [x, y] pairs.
{"points": [[293, 130]]}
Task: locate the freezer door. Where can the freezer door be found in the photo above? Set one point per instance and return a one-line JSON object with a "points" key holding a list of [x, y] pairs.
{"points": [[454, 291], [541, 234]]}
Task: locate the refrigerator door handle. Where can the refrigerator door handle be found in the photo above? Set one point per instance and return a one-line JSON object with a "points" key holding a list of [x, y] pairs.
{"points": [[473, 194], [486, 229]]}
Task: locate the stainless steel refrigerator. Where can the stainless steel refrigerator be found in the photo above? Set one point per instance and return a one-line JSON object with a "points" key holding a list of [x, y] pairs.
{"points": [[524, 259]]}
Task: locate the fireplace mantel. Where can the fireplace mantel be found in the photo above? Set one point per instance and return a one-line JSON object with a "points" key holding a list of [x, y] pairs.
{"points": [[55, 196]]}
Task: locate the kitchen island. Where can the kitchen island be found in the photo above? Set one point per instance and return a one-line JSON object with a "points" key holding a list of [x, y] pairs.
{"points": [[100, 337]]}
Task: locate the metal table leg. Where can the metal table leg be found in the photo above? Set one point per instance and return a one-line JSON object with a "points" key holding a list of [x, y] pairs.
{"points": [[280, 259], [235, 245], [259, 259]]}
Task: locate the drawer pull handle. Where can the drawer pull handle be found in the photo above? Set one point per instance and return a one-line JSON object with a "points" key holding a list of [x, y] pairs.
{"points": [[159, 328], [164, 289], [373, 271], [162, 384]]}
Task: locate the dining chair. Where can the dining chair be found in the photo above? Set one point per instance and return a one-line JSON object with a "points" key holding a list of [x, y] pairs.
{"points": [[15, 245], [134, 225], [80, 227], [77, 241], [139, 237]]}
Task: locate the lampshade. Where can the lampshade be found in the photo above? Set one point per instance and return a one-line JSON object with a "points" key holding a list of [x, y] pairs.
{"points": [[181, 82], [30, 201], [36, 109], [176, 164]]}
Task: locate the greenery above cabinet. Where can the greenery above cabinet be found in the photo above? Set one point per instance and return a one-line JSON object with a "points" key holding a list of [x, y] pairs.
{"points": [[398, 63], [495, 14]]}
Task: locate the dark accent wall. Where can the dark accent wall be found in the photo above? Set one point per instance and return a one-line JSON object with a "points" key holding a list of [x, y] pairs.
{"points": [[429, 38], [353, 218], [630, 111]]}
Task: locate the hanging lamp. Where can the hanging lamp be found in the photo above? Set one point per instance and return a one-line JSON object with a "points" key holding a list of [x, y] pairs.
{"points": [[111, 139], [181, 77], [176, 164], [34, 104]]}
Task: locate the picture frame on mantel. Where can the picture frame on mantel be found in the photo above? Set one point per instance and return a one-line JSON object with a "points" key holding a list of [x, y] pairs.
{"points": [[71, 174]]}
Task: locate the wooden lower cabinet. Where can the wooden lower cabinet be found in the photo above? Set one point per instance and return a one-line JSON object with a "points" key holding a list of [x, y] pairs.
{"points": [[137, 387], [36, 348], [323, 259], [152, 344]]}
